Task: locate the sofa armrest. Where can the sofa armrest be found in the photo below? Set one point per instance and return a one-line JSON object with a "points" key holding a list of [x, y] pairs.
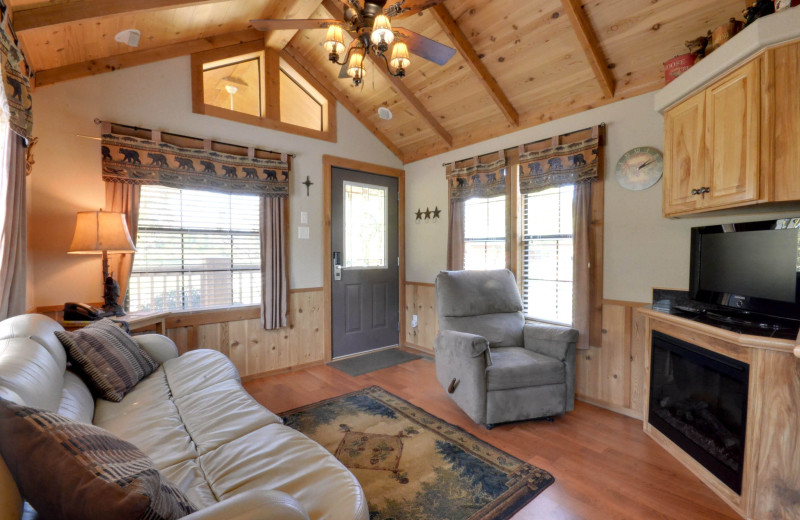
{"points": [[257, 504], [558, 342], [160, 348], [461, 361], [550, 340]]}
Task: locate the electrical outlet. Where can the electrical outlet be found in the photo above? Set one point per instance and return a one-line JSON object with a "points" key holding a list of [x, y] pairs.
{"points": [[414, 321]]}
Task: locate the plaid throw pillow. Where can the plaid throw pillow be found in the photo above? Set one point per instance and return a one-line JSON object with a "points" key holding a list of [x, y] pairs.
{"points": [[110, 359], [71, 470]]}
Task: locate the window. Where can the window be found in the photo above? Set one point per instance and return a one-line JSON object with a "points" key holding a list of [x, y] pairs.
{"points": [[258, 86], [547, 254], [485, 233], [365, 217], [196, 250]]}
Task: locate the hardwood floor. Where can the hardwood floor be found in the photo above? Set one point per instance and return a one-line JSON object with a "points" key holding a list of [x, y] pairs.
{"points": [[604, 466]]}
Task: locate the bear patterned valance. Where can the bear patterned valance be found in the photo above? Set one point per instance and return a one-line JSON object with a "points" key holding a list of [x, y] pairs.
{"points": [[483, 176], [16, 104], [565, 159], [184, 162]]}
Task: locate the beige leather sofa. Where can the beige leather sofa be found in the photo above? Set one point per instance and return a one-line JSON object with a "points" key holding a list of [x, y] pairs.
{"points": [[231, 456]]}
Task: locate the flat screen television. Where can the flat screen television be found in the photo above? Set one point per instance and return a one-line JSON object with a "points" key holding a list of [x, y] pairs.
{"points": [[750, 266]]}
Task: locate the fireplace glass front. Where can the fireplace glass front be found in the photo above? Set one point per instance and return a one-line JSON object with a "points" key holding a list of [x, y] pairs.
{"points": [[698, 399]]}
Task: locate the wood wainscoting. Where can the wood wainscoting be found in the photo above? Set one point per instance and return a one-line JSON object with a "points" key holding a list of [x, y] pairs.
{"points": [[256, 352], [421, 300]]}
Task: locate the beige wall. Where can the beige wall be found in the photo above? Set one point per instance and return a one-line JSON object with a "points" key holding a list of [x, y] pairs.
{"points": [[642, 249], [67, 175]]}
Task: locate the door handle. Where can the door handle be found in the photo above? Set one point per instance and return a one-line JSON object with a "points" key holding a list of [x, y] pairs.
{"points": [[337, 265]]}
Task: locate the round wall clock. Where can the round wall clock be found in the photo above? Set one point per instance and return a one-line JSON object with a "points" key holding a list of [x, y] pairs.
{"points": [[640, 168]]}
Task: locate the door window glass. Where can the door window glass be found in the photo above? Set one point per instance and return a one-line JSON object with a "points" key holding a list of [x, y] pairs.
{"points": [[365, 216]]}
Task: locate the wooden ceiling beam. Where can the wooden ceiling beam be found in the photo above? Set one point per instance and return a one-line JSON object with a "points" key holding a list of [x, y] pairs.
{"points": [[289, 10], [324, 79], [591, 46], [27, 17], [132, 59], [467, 51], [336, 11]]}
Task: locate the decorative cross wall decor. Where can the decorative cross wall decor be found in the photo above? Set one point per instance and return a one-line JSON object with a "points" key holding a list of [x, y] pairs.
{"points": [[308, 184]]}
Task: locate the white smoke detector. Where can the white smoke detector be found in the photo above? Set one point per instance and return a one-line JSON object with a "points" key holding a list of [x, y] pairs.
{"points": [[129, 37], [384, 113]]}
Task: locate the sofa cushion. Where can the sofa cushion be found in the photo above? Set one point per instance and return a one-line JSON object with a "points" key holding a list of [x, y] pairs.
{"points": [[99, 475], [198, 369], [29, 374], [280, 458], [148, 418], [471, 293], [40, 329], [235, 414], [77, 402], [112, 362], [514, 367]]}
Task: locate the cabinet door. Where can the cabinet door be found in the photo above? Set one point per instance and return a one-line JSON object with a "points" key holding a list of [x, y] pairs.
{"points": [[787, 123], [733, 112], [684, 155]]}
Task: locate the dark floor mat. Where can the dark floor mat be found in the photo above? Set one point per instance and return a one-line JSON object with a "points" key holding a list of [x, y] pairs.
{"points": [[359, 365]]}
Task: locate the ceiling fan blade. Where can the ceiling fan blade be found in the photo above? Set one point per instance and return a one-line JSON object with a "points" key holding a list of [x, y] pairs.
{"points": [[425, 47], [277, 25], [405, 8]]}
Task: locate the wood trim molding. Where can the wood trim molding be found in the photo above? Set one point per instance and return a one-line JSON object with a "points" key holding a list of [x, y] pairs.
{"points": [[33, 16], [467, 51], [590, 44], [328, 163], [132, 59], [336, 11], [291, 53], [421, 284]]}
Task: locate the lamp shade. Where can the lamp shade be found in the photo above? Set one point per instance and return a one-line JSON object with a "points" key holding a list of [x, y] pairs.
{"points": [[356, 67], [400, 58], [382, 30], [334, 41], [98, 231]]}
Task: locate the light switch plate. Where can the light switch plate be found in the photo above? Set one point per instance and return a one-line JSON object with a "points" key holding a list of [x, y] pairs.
{"points": [[304, 217], [303, 233]]}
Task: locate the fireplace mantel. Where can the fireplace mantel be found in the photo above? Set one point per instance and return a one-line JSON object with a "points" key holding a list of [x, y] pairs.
{"points": [[771, 480]]}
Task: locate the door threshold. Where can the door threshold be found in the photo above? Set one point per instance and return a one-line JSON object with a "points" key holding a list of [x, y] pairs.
{"points": [[372, 351]]}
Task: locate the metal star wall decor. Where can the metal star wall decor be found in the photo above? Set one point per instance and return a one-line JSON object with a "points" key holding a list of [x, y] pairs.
{"points": [[430, 215]]}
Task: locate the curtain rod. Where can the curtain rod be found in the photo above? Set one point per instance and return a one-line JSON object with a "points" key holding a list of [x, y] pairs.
{"points": [[99, 121], [601, 125]]}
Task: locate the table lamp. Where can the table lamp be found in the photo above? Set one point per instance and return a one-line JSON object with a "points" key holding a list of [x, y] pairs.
{"points": [[103, 232]]}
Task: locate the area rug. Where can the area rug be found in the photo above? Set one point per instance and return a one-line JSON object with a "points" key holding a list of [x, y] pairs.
{"points": [[413, 465], [360, 365]]}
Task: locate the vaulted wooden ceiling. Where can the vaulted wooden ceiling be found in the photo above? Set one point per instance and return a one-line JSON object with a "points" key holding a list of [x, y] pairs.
{"points": [[518, 63]]}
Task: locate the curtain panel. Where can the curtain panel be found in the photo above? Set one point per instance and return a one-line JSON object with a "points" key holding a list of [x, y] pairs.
{"points": [[558, 161], [134, 160], [13, 225], [478, 177], [15, 103], [123, 198], [274, 263]]}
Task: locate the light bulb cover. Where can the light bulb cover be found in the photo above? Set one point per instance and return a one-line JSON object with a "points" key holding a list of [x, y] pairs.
{"points": [[400, 59], [382, 31], [334, 41], [355, 69]]}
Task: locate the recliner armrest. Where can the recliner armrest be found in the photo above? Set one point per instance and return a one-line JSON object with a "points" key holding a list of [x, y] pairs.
{"points": [[160, 348], [550, 340], [462, 343], [257, 504]]}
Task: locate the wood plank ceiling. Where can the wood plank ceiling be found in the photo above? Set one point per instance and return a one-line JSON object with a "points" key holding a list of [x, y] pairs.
{"points": [[518, 63]]}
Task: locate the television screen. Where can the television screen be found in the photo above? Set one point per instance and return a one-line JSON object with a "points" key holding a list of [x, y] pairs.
{"points": [[750, 266]]}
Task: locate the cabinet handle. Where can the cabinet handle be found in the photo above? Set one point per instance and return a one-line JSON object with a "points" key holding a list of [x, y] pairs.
{"points": [[705, 189], [695, 191]]}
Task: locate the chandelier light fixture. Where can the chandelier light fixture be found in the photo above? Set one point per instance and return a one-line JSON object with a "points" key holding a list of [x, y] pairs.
{"points": [[376, 39], [369, 23]]}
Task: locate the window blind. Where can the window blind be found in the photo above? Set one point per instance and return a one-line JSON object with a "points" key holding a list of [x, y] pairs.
{"points": [[485, 233], [196, 250], [547, 254]]}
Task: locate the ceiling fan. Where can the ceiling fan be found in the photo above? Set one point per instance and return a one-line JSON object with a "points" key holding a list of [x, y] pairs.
{"points": [[371, 29]]}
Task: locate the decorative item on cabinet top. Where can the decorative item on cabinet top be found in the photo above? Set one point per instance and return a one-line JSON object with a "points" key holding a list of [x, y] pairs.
{"points": [[639, 168]]}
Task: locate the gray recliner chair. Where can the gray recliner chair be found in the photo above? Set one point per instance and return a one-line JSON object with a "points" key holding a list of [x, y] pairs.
{"points": [[495, 366]]}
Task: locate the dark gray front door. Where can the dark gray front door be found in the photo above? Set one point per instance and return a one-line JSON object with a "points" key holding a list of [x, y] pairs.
{"points": [[365, 288]]}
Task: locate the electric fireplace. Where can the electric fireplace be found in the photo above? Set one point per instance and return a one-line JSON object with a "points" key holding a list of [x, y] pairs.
{"points": [[698, 399]]}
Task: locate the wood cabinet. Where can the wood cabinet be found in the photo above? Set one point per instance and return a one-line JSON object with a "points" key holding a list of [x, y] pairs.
{"points": [[712, 145], [736, 142]]}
